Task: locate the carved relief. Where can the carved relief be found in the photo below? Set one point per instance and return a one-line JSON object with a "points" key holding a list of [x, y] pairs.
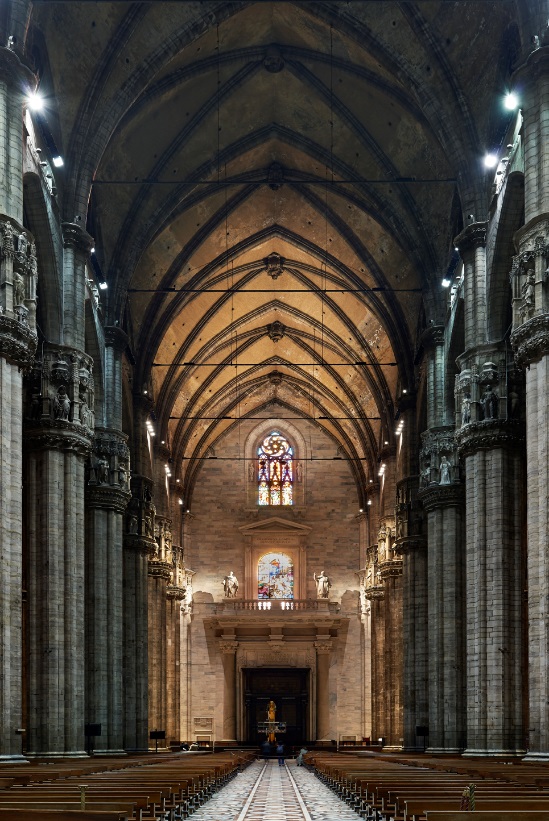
{"points": [[438, 458]]}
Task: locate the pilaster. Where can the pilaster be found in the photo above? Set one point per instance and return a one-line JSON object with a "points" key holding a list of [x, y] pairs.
{"points": [[323, 648], [228, 648]]}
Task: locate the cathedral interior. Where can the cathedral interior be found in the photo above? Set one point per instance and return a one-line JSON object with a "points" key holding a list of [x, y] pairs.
{"points": [[274, 366]]}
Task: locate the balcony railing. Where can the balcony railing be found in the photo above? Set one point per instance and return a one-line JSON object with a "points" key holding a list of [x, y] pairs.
{"points": [[277, 605]]}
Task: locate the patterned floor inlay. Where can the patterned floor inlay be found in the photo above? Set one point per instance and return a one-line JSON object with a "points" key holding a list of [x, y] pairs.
{"points": [[267, 792]]}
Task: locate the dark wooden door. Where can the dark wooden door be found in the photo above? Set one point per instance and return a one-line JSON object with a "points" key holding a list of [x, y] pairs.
{"points": [[289, 689]]}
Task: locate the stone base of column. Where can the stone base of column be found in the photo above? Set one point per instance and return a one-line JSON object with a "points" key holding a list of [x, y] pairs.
{"points": [[226, 742], [443, 750], [57, 754], [13, 759], [533, 756], [393, 748], [497, 754], [108, 752]]}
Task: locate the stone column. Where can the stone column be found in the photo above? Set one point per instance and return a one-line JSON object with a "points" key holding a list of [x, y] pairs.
{"points": [[443, 505], [493, 465], [139, 544], [17, 346], [58, 442], [174, 597], [530, 340], [323, 651], [228, 649], [411, 547], [159, 576], [107, 496]]}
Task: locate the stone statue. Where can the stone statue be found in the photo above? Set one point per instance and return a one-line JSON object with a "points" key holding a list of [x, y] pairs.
{"points": [[490, 404], [444, 471], [426, 475], [103, 472], [251, 471], [22, 244], [61, 404], [132, 525], [85, 414], [465, 410], [271, 711], [323, 585], [230, 585], [18, 289]]}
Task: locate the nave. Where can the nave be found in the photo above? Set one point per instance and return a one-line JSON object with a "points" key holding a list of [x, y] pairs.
{"points": [[267, 792]]}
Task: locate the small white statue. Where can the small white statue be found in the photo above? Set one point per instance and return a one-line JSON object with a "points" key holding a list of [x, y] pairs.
{"points": [[230, 585], [323, 585]]}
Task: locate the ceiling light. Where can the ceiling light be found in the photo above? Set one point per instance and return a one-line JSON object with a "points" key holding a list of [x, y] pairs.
{"points": [[404, 390], [510, 101], [446, 283], [35, 101], [369, 501], [180, 501], [58, 161], [490, 160], [103, 286]]}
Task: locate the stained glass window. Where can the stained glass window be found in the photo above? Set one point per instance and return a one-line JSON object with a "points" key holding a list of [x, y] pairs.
{"points": [[275, 577], [275, 473]]}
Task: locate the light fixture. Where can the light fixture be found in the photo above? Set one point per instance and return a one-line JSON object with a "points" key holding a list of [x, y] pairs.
{"points": [[92, 250], [490, 160], [510, 101], [145, 391], [361, 510], [58, 161], [446, 283], [103, 287], [179, 501], [35, 101], [404, 390], [369, 501]]}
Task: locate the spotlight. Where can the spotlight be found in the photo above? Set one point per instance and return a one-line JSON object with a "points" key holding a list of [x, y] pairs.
{"points": [[58, 161], [103, 287], [510, 101], [446, 283], [490, 160], [35, 102]]}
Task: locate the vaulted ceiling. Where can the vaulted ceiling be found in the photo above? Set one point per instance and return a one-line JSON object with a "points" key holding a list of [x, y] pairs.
{"points": [[274, 191]]}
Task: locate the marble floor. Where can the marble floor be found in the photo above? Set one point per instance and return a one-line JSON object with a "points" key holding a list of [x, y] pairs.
{"points": [[267, 792]]}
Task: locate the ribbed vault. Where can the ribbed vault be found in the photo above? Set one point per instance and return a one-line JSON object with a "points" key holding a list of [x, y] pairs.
{"points": [[273, 197]]}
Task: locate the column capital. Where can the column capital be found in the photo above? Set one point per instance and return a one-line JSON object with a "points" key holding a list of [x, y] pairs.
{"points": [[175, 593], [530, 340], [490, 434], [107, 498], [535, 64], [140, 544], [116, 338], [390, 569], [160, 570], [472, 237], [15, 72], [409, 544], [228, 647], [323, 647], [432, 336], [17, 341], [76, 237], [436, 496]]}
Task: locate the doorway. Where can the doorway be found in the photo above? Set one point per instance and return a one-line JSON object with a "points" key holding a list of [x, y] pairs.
{"points": [[289, 689]]}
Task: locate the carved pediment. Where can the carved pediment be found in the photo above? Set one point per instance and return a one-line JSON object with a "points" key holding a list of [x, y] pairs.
{"points": [[275, 524]]}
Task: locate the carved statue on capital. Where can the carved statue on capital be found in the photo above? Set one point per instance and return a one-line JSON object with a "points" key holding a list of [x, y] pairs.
{"points": [[439, 463]]}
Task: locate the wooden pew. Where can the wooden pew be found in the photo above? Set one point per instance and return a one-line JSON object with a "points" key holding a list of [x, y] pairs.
{"points": [[499, 815]]}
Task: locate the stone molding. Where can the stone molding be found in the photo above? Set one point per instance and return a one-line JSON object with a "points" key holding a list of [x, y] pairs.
{"points": [[107, 498], [228, 646], [530, 340], [472, 237], [493, 433], [391, 569], [323, 647], [435, 496], [160, 570], [17, 342]]}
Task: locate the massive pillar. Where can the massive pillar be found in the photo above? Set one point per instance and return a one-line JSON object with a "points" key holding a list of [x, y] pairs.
{"points": [[441, 494], [17, 346], [491, 446], [107, 494], [530, 340]]}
